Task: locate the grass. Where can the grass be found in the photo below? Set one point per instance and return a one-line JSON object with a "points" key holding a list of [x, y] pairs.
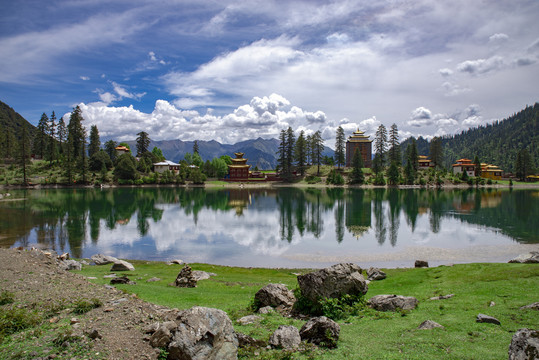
{"points": [[370, 334]]}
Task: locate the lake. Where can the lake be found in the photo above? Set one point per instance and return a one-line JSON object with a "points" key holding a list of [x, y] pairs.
{"points": [[281, 227]]}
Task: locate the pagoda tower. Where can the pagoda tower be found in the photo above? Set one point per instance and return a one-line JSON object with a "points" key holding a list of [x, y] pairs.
{"points": [[358, 140], [239, 170]]}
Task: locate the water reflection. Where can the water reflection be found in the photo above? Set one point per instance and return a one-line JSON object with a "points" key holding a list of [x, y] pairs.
{"points": [[228, 226]]}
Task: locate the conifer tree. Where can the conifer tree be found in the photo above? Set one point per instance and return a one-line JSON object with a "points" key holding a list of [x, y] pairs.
{"points": [[339, 147], [110, 149], [95, 142], [523, 165], [380, 145], [62, 135], [143, 142], [357, 168], [40, 139], [52, 138], [394, 147], [76, 134], [290, 142], [300, 152], [412, 155], [24, 152], [317, 148], [436, 152], [195, 147], [477, 166]]}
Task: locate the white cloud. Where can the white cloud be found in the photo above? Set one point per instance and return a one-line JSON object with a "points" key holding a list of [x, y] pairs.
{"points": [[85, 78], [482, 66], [498, 37], [421, 116], [123, 93], [445, 72]]}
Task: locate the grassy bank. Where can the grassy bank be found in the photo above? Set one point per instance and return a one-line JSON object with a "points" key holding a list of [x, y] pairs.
{"points": [[371, 334]]}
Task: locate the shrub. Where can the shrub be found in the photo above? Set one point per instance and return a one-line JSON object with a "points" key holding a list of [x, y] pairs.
{"points": [[6, 297], [333, 308], [15, 320], [83, 306], [312, 179]]}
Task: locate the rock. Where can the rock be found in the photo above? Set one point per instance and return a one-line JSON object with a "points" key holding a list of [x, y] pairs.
{"points": [[185, 278], [201, 275], [266, 310], [175, 261], [375, 274], [529, 258], [94, 334], [421, 264], [534, 306], [249, 319], [321, 331], [275, 295], [482, 318], [392, 302], [333, 282], [524, 345], [442, 297], [70, 265], [63, 257], [285, 337], [247, 341], [161, 338], [100, 259], [122, 280], [109, 276], [153, 279], [203, 333], [151, 328], [491, 304], [429, 324], [120, 265]]}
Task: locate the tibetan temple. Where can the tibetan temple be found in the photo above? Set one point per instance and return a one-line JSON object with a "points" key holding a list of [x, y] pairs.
{"points": [[238, 170], [358, 140]]}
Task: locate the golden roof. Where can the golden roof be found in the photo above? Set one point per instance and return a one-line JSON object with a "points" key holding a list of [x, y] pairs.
{"points": [[359, 136]]}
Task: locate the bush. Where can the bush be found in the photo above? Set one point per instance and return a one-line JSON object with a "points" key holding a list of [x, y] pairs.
{"points": [[15, 320], [333, 308], [312, 179], [6, 297], [83, 306]]}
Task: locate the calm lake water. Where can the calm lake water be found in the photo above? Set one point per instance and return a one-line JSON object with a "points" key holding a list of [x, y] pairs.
{"points": [[286, 227]]}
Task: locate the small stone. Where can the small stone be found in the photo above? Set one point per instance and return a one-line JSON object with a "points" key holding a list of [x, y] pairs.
{"points": [[524, 345], [153, 279], [110, 276], [109, 309], [91, 278], [421, 264], [285, 337], [175, 261], [122, 280], [429, 324], [530, 258], [392, 302], [482, 318], [94, 334], [442, 297], [53, 320], [266, 310], [375, 274], [249, 319], [185, 278], [491, 304], [74, 321]]}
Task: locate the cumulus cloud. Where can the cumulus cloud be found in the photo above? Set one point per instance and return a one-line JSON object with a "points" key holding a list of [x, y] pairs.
{"points": [[446, 72], [452, 89], [481, 66], [421, 116], [498, 37], [123, 93]]}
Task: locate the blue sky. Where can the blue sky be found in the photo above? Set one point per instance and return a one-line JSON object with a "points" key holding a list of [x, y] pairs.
{"points": [[234, 70]]}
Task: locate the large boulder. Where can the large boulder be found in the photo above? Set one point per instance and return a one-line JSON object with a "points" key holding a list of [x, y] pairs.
{"points": [[100, 259], [321, 331], [275, 295], [120, 265], [185, 278], [285, 337], [529, 258], [524, 345], [203, 333], [201, 275], [162, 337], [70, 265], [392, 302], [375, 274], [333, 282]]}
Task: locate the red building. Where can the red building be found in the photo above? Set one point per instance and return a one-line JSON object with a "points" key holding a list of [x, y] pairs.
{"points": [[358, 140], [238, 170]]}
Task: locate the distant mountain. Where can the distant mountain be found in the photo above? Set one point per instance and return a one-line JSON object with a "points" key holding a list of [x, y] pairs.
{"points": [[259, 152], [496, 143], [9, 119]]}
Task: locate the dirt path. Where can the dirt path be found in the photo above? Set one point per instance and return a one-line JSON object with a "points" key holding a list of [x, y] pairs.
{"points": [[37, 283]]}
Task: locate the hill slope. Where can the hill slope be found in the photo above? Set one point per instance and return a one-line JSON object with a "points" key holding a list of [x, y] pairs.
{"points": [[10, 119]]}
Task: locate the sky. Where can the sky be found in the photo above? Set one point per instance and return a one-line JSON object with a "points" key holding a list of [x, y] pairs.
{"points": [[230, 70]]}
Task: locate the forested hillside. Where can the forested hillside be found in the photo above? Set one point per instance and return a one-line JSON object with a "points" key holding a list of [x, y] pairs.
{"points": [[11, 121], [496, 143]]}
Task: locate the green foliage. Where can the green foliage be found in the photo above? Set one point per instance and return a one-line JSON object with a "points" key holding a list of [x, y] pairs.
{"points": [[357, 176], [312, 179], [82, 306], [95, 142], [125, 167], [197, 177], [379, 179], [333, 308], [110, 149], [393, 174], [99, 160], [143, 141], [14, 320], [158, 154], [335, 178], [6, 297]]}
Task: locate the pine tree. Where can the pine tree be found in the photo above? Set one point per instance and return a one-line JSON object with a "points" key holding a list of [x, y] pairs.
{"points": [[195, 147], [62, 135], [477, 167], [40, 139], [409, 173], [300, 153], [308, 149], [95, 143], [357, 176], [282, 153], [52, 138], [380, 145], [393, 174], [110, 149], [436, 152], [76, 134], [523, 165], [394, 147], [412, 155], [339, 147], [317, 147], [290, 142], [24, 152], [143, 142]]}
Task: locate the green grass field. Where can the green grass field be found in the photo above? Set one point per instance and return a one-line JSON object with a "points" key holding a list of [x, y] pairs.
{"points": [[371, 334]]}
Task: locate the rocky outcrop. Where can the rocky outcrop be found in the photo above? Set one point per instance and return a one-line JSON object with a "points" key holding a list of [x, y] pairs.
{"points": [[285, 337], [429, 324], [70, 265], [524, 345], [203, 333], [120, 265], [375, 274], [530, 258], [392, 302], [185, 278], [100, 259], [333, 282], [275, 295], [163, 335], [482, 318], [321, 331]]}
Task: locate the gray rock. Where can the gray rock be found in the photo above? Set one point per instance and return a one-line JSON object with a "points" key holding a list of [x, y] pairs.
{"points": [[249, 319], [70, 265], [247, 341], [100, 259], [185, 278], [175, 261], [266, 310], [163, 335], [333, 282], [442, 297], [421, 264], [285, 337], [151, 328], [429, 324], [203, 333], [524, 345], [122, 280], [482, 318], [94, 334], [120, 265], [202, 275], [534, 306], [375, 274], [275, 295], [153, 279], [530, 258], [321, 331], [392, 302]]}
